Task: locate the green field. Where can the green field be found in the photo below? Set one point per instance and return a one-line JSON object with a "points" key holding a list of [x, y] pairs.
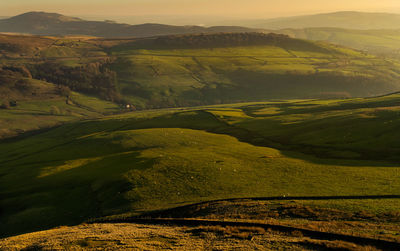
{"points": [[193, 70], [244, 127], [383, 42], [293, 126], [39, 114], [148, 160], [179, 77]]}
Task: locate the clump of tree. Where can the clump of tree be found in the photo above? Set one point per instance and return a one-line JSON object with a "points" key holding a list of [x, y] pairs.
{"points": [[220, 40], [10, 74], [5, 105], [23, 86], [63, 91], [11, 47], [93, 78], [8, 103], [18, 69]]}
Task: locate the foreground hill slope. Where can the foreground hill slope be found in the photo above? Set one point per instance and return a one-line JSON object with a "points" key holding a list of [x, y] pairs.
{"points": [[144, 161], [42, 23], [155, 237]]}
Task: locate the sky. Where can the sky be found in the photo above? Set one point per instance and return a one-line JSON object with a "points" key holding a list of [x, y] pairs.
{"points": [[248, 9]]}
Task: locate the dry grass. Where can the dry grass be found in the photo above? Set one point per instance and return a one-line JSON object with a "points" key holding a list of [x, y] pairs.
{"points": [[335, 245], [238, 232], [125, 236], [357, 222]]}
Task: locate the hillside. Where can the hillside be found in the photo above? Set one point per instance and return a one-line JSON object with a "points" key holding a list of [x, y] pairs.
{"points": [[95, 164], [345, 19], [200, 69], [143, 161], [117, 236], [227, 68], [139, 237], [28, 104], [380, 42], [42, 23]]}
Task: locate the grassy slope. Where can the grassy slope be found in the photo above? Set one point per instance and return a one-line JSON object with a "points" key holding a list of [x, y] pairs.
{"points": [[385, 42], [153, 76], [46, 108], [296, 70], [361, 128], [128, 236], [160, 159], [39, 102], [40, 114]]}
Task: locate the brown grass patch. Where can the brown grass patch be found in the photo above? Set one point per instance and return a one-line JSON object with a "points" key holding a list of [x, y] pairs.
{"points": [[335, 245], [237, 232]]}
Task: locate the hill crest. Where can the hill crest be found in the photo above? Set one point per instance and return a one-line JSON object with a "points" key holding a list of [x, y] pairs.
{"points": [[53, 24], [43, 16]]}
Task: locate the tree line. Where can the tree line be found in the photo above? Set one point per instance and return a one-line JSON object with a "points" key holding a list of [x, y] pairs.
{"points": [[92, 78]]}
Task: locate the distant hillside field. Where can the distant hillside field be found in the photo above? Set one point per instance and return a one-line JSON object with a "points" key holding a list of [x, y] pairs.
{"points": [[149, 160], [200, 69], [345, 19], [381, 42], [374, 32], [278, 67], [28, 104]]}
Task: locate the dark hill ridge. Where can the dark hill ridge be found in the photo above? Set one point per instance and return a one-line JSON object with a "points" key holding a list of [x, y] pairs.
{"points": [[41, 23], [219, 40], [222, 40], [44, 17]]}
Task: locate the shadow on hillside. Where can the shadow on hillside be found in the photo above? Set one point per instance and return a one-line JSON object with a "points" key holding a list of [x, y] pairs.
{"points": [[70, 196]]}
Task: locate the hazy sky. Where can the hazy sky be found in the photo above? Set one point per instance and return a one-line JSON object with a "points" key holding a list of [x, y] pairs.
{"points": [[225, 8]]}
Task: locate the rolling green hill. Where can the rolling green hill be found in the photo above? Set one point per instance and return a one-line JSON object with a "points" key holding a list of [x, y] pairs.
{"points": [[143, 161], [158, 72], [187, 70], [246, 115], [28, 104], [381, 42], [174, 71]]}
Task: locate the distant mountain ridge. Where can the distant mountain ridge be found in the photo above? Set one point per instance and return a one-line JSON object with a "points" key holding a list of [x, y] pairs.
{"points": [[43, 17], [42, 23]]}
